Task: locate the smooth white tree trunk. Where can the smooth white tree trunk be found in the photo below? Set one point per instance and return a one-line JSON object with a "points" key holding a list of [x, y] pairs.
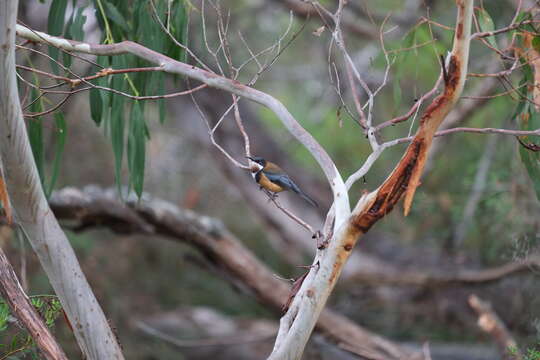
{"points": [[33, 215]]}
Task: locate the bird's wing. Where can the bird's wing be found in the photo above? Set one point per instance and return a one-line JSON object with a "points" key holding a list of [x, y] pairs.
{"points": [[282, 180], [285, 182]]}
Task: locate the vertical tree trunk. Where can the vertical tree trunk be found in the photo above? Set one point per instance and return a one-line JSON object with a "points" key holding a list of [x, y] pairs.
{"points": [[32, 211]]}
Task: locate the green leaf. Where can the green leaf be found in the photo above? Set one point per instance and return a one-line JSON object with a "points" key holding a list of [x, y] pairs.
{"points": [[61, 133], [524, 16], [117, 121], [55, 26], [57, 13], [137, 148], [531, 161], [35, 134], [401, 64], [536, 43], [162, 110], [96, 106], [115, 16], [100, 100], [76, 28], [179, 31], [486, 24], [117, 135], [4, 315], [528, 120]]}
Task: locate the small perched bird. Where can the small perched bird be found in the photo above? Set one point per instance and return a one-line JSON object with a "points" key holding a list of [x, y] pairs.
{"points": [[272, 178]]}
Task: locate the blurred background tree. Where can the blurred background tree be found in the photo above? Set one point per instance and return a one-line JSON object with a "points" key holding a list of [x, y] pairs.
{"points": [[411, 278]]}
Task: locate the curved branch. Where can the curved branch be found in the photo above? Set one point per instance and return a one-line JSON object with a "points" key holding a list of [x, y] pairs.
{"points": [[297, 324], [94, 207], [235, 87], [53, 249]]}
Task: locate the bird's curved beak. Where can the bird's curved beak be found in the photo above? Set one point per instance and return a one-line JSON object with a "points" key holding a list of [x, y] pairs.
{"points": [[249, 157]]}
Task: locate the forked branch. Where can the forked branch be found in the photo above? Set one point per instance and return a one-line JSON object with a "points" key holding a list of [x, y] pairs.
{"points": [[211, 79], [297, 324]]}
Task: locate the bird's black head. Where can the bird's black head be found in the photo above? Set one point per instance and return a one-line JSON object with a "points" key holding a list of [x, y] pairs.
{"points": [[259, 160]]}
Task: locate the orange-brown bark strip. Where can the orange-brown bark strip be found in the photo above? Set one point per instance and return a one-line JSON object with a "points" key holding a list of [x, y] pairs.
{"points": [[4, 199], [403, 180], [406, 176], [391, 190]]}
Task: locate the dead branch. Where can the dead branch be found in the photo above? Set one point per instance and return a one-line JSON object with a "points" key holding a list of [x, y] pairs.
{"points": [[20, 305], [490, 323], [389, 274], [96, 207]]}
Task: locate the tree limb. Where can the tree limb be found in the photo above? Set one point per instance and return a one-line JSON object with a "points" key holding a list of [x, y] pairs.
{"points": [[96, 207], [213, 80], [53, 249], [297, 324], [394, 275]]}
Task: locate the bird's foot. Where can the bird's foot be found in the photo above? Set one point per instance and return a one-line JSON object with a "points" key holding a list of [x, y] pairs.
{"points": [[271, 195]]}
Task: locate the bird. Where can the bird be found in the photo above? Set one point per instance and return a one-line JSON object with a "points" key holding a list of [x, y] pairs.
{"points": [[273, 179]]}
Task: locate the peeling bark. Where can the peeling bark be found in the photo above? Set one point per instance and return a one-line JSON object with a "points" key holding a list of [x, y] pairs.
{"points": [[297, 324]]}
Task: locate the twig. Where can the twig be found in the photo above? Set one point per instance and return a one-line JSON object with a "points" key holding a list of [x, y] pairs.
{"points": [[298, 323], [102, 73], [218, 245], [211, 132], [290, 213], [510, 27], [176, 42], [241, 127], [413, 109], [470, 130]]}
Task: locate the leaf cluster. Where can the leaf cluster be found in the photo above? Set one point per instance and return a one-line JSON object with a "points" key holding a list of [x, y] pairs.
{"points": [[20, 342]]}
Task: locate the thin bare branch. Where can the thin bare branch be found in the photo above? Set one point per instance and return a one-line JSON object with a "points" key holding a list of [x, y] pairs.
{"points": [[175, 67], [96, 207]]}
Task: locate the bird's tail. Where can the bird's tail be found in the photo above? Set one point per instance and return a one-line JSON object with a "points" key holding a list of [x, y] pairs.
{"points": [[297, 190], [308, 199]]}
